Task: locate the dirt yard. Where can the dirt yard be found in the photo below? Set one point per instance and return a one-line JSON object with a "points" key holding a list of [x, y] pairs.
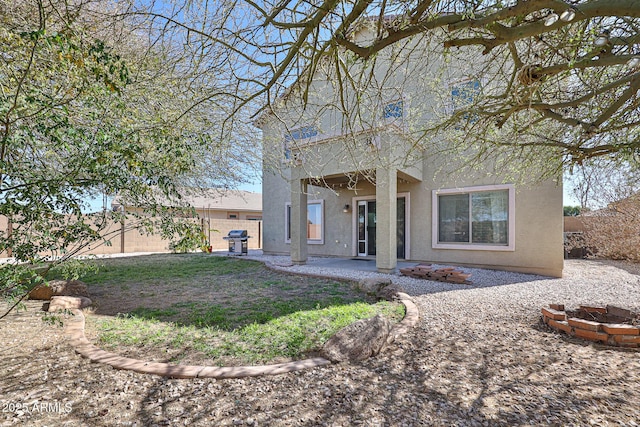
{"points": [[478, 358]]}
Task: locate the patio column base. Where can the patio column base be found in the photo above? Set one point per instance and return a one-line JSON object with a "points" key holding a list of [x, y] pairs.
{"points": [[386, 270]]}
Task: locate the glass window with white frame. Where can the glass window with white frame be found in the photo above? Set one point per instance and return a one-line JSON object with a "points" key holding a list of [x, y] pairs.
{"points": [[315, 222], [474, 218]]}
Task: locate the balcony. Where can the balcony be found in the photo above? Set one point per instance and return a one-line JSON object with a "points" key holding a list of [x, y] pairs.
{"points": [[339, 159]]}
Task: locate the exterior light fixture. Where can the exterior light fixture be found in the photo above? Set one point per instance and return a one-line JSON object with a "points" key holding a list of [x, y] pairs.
{"points": [[634, 62], [602, 39], [550, 19], [345, 209], [568, 15]]}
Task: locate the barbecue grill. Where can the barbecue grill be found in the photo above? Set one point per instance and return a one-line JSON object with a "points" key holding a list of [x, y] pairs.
{"points": [[238, 242]]}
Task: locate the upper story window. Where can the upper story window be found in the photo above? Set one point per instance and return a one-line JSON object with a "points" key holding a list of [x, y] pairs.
{"points": [[464, 93], [297, 134], [303, 132], [394, 110], [480, 218]]}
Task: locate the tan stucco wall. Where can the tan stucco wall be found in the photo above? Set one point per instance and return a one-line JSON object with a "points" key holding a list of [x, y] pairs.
{"points": [[538, 226], [538, 220], [538, 207], [538, 236]]}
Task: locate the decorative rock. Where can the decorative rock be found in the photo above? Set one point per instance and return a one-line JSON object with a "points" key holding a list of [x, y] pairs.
{"points": [[389, 292], [372, 286], [600, 328], [74, 288], [59, 303], [550, 313], [622, 313], [41, 293], [618, 329], [59, 287], [447, 274], [358, 341]]}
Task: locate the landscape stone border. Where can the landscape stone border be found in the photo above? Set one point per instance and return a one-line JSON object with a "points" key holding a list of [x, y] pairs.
{"points": [[74, 329]]}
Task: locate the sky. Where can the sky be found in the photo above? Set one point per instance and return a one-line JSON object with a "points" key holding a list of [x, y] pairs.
{"points": [[569, 199]]}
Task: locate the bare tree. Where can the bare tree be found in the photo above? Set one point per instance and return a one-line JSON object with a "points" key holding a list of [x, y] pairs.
{"points": [[600, 182], [610, 219], [613, 232], [564, 75]]}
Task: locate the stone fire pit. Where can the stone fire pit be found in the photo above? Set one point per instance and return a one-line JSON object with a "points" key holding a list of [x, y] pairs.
{"points": [[609, 325]]}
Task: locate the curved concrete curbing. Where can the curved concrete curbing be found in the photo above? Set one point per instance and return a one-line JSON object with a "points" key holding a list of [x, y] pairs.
{"points": [[411, 316], [74, 329]]}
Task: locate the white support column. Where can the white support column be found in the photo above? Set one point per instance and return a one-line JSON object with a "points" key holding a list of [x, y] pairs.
{"points": [[386, 219], [298, 221]]}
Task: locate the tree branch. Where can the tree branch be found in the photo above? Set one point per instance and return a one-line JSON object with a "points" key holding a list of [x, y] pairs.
{"points": [[633, 88]]}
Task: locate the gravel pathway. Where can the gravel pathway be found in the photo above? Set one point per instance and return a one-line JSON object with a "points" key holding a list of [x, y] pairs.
{"points": [[477, 358]]}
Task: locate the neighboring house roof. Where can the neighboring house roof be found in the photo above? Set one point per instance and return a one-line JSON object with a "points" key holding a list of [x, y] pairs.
{"points": [[229, 200], [216, 199]]}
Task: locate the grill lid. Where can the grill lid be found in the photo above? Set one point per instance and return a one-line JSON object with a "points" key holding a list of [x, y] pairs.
{"points": [[237, 234]]}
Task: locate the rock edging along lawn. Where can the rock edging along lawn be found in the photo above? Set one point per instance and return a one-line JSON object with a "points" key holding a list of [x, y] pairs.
{"points": [[74, 329]]}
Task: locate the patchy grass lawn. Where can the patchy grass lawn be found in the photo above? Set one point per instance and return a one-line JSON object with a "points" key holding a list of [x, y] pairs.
{"points": [[197, 308]]}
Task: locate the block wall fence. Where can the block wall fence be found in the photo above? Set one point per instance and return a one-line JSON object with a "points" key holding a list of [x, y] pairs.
{"points": [[125, 239]]}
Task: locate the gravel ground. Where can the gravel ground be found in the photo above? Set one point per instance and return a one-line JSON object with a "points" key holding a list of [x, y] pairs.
{"points": [[477, 358]]}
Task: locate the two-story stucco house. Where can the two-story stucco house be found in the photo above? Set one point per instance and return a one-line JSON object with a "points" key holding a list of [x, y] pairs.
{"points": [[343, 175]]}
